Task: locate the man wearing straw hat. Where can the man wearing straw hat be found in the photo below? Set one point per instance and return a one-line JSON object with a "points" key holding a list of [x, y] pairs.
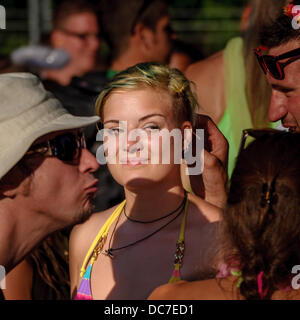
{"points": [[46, 180]]}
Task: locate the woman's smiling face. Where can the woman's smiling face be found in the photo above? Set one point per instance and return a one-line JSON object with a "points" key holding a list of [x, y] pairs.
{"points": [[149, 112]]}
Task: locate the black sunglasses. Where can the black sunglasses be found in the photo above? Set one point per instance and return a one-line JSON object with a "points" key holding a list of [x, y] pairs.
{"points": [[272, 65], [66, 147]]}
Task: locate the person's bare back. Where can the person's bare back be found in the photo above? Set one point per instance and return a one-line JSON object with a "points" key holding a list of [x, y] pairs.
{"points": [[208, 76]]}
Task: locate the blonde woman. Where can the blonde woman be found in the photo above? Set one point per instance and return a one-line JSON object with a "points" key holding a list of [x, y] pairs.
{"points": [[127, 251]]}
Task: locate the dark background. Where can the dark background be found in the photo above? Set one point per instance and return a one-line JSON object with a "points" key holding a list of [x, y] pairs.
{"points": [[206, 24]]}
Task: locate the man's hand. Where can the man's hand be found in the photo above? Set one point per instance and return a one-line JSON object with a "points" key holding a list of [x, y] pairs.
{"points": [[211, 185]]}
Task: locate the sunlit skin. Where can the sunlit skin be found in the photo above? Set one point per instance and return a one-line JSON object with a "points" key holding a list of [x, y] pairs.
{"points": [[70, 188], [152, 191], [150, 111], [285, 100]]}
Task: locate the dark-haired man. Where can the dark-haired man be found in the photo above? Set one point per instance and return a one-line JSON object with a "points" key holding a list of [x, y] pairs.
{"points": [[46, 180], [136, 31], [283, 70]]}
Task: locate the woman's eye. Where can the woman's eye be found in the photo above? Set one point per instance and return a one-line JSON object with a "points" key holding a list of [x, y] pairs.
{"points": [[152, 127], [113, 131]]}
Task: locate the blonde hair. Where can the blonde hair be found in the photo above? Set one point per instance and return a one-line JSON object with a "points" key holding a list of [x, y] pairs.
{"points": [[157, 77]]}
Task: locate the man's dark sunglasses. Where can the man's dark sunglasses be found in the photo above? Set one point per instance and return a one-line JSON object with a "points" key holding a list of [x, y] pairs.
{"points": [[66, 147], [272, 65]]}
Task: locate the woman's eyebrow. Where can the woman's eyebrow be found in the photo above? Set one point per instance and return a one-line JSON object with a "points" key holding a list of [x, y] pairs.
{"points": [[140, 120], [113, 121], [151, 115]]}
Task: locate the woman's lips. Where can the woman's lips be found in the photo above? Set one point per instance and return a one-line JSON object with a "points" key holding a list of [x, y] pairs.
{"points": [[134, 161]]}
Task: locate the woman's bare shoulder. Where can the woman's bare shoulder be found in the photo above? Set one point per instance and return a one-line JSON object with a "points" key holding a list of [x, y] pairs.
{"points": [[83, 234], [196, 290], [88, 230], [209, 211], [81, 239]]}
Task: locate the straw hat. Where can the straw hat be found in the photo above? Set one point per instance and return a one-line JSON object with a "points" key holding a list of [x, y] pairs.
{"points": [[27, 112]]}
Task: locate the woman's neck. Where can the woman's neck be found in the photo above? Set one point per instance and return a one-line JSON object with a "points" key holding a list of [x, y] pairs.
{"points": [[153, 204]]}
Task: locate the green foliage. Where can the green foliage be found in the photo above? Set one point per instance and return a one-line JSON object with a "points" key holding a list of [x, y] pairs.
{"points": [[16, 33], [206, 3], [209, 25]]}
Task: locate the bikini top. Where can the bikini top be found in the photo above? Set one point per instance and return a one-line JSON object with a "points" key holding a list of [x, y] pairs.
{"points": [[84, 291]]}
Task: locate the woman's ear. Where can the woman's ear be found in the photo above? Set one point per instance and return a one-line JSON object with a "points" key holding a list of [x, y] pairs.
{"points": [[187, 134], [186, 125]]}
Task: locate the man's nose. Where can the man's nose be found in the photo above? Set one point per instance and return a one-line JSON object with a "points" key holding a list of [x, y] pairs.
{"points": [[278, 106], [88, 163]]}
